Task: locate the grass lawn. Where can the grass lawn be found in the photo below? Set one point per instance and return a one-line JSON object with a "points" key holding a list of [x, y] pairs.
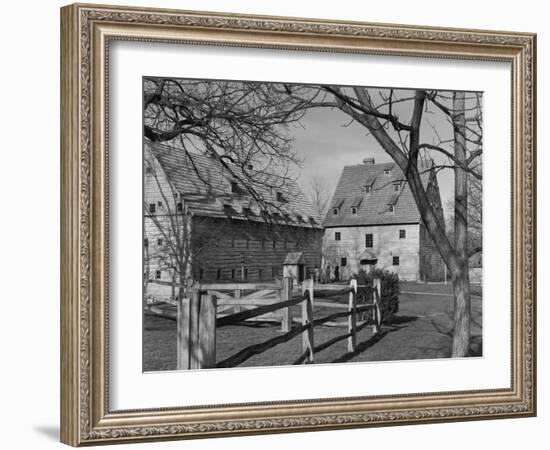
{"points": [[421, 330]]}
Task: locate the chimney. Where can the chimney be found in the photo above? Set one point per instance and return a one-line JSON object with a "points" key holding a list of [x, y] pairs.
{"points": [[368, 161]]}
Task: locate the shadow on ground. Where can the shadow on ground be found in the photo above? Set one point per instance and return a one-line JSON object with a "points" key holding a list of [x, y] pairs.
{"points": [[396, 323], [50, 432]]}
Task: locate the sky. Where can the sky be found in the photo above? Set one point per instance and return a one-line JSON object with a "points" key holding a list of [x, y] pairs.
{"points": [[326, 141]]}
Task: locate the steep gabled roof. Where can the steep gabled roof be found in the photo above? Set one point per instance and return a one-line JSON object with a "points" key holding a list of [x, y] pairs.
{"points": [[206, 186], [386, 189]]}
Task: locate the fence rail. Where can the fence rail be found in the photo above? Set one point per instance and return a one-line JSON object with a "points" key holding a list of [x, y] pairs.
{"points": [[200, 314]]}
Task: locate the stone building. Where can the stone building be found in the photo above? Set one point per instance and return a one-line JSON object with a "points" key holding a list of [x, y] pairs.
{"points": [[201, 222], [373, 220]]}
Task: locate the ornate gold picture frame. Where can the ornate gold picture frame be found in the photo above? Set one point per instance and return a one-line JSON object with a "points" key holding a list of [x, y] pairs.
{"points": [[87, 32]]}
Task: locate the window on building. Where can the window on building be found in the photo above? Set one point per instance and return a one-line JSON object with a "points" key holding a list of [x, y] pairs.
{"points": [[159, 242], [335, 211], [234, 186], [179, 207], [232, 274], [368, 240], [402, 234], [146, 242], [368, 189], [260, 274], [391, 209], [273, 272], [279, 197], [152, 208], [274, 243], [387, 171], [395, 260], [343, 262], [159, 204], [246, 274], [218, 274], [396, 186], [201, 273], [337, 236], [354, 210], [158, 275]]}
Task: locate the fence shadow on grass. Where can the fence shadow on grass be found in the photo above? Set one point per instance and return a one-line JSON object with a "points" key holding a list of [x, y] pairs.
{"points": [[396, 323]]}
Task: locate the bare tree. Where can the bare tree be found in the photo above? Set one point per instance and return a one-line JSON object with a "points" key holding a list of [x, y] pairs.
{"points": [[243, 125], [401, 139], [319, 193], [176, 248]]}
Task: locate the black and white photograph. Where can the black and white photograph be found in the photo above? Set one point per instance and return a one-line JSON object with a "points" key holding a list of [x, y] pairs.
{"points": [[288, 224]]}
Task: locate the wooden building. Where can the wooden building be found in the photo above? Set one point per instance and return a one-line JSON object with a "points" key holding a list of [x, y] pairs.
{"points": [[201, 222], [373, 220]]}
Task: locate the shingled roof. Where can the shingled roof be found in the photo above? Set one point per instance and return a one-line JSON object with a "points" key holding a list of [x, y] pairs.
{"points": [[372, 209], [206, 187]]}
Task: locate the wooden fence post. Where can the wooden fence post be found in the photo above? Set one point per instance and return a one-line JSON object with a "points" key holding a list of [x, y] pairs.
{"points": [[286, 294], [207, 332], [183, 325], [307, 318], [352, 318], [237, 308], [378, 292], [194, 330]]}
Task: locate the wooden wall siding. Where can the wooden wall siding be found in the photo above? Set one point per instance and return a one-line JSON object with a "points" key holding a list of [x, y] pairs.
{"points": [[386, 245], [229, 240]]}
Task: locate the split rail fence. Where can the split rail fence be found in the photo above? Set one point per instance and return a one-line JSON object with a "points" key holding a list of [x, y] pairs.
{"points": [[212, 306]]}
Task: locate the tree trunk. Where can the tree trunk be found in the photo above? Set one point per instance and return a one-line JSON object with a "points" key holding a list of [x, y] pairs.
{"points": [[461, 334], [461, 280]]}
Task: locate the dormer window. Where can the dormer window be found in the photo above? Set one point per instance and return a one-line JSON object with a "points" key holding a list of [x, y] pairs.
{"points": [[387, 171], [336, 205], [354, 210]]}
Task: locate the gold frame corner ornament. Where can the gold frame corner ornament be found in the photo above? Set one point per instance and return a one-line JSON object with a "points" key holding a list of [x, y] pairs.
{"points": [[86, 31]]}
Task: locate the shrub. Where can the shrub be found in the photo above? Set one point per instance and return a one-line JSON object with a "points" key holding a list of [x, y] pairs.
{"points": [[389, 297]]}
